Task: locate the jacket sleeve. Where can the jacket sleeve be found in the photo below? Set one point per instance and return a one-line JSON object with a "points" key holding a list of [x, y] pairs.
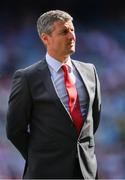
{"points": [[18, 115], [97, 103]]}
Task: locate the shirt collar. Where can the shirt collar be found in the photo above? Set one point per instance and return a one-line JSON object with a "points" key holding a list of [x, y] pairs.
{"points": [[55, 64]]}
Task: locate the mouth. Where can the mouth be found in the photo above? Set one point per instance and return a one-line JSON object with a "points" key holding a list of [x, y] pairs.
{"points": [[71, 44], [71, 47]]}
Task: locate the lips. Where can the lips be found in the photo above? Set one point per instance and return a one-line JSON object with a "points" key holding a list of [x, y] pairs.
{"points": [[71, 43]]}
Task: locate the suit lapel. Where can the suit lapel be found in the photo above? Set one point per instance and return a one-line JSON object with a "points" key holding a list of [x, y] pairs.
{"points": [[47, 81], [83, 76]]}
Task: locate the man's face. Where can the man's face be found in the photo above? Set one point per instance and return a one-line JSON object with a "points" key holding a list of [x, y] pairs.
{"points": [[61, 42]]}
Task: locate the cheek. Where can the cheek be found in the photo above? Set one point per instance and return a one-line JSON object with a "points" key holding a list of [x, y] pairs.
{"points": [[60, 43], [52, 43]]}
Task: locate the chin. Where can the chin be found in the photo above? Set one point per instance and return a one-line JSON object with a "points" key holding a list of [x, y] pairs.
{"points": [[72, 51]]}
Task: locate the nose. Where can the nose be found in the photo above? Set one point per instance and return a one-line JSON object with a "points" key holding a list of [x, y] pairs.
{"points": [[71, 35]]}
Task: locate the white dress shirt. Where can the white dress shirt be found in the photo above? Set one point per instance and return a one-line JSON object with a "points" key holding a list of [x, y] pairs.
{"points": [[57, 77]]}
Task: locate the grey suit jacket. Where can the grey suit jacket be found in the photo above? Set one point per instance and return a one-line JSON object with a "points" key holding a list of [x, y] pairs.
{"points": [[41, 129]]}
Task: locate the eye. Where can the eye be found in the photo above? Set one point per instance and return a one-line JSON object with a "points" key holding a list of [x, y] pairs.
{"points": [[65, 31]]}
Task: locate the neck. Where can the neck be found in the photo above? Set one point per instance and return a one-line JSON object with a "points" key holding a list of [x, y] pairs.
{"points": [[59, 58]]}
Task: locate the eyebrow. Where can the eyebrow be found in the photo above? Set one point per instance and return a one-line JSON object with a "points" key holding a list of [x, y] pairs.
{"points": [[67, 28]]}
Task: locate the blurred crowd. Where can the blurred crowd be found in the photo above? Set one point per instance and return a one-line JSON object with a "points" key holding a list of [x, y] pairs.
{"points": [[102, 44]]}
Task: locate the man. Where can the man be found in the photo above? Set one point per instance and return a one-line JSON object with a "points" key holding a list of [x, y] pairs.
{"points": [[54, 107]]}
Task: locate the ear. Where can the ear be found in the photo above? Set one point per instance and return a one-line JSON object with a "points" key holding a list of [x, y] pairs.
{"points": [[44, 38]]}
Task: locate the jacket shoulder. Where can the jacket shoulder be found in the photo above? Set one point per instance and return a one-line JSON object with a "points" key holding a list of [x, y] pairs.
{"points": [[31, 69]]}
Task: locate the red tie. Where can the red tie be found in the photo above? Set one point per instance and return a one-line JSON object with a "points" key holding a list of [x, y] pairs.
{"points": [[73, 102]]}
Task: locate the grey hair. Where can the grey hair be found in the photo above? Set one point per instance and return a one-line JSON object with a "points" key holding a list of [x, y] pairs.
{"points": [[45, 21]]}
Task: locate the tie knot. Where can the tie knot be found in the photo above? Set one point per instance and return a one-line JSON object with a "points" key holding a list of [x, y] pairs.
{"points": [[67, 76], [65, 68]]}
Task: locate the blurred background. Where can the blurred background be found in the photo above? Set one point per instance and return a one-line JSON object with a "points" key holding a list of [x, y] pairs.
{"points": [[100, 31]]}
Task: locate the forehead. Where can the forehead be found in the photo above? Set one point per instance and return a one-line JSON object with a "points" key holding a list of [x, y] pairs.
{"points": [[58, 25]]}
